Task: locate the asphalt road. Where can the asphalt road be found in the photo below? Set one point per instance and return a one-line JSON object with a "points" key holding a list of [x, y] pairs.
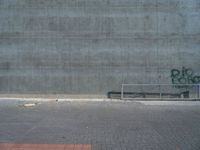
{"points": [[104, 125]]}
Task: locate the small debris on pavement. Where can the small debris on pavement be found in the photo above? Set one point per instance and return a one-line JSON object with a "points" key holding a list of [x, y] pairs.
{"points": [[29, 105]]}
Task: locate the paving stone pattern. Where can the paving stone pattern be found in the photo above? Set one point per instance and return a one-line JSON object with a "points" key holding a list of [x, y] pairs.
{"points": [[44, 147], [104, 125]]}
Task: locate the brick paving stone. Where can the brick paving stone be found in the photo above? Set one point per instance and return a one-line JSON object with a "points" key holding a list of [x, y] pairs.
{"points": [[45, 147]]}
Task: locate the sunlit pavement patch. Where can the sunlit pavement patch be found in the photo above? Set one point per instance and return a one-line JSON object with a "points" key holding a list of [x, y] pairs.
{"points": [[45, 147]]}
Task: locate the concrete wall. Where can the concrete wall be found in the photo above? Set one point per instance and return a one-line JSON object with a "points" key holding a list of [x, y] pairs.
{"points": [[93, 46]]}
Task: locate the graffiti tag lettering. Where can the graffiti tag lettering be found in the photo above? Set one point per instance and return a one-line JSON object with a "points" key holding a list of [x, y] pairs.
{"points": [[184, 76]]}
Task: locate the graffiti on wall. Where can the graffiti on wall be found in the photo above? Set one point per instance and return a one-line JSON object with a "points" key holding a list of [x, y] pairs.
{"points": [[184, 76]]}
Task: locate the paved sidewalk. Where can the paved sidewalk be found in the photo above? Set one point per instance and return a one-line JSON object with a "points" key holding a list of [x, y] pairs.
{"points": [[44, 147], [103, 125]]}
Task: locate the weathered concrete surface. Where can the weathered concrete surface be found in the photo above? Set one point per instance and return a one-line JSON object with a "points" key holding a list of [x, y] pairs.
{"points": [[93, 46]]}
